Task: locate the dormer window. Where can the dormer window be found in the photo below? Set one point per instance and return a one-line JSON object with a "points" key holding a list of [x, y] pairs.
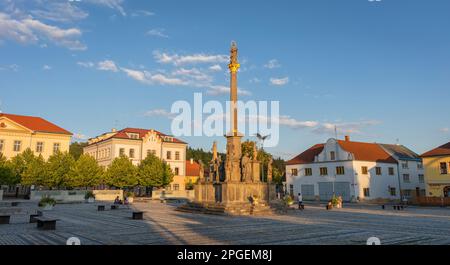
{"points": [[332, 156], [133, 135]]}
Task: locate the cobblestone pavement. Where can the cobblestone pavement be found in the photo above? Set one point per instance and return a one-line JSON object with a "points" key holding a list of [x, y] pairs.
{"points": [[163, 225]]}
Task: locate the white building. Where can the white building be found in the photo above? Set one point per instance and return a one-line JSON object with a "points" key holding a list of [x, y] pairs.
{"points": [[136, 144], [353, 170]]}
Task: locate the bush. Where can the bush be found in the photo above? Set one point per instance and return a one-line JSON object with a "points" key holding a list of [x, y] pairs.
{"points": [[288, 200], [47, 201], [89, 194]]}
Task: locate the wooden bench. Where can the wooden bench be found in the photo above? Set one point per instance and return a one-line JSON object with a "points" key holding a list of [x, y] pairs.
{"points": [[45, 223], [33, 218], [4, 219], [101, 207], [138, 215]]}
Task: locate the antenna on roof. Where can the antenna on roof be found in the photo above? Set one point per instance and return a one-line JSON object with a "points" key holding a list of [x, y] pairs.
{"points": [[335, 132], [397, 141]]}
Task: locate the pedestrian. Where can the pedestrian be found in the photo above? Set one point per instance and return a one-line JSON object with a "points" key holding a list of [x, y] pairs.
{"points": [[300, 201]]}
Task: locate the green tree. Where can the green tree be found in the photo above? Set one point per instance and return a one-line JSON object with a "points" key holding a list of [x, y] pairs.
{"points": [[151, 172], [6, 172], [35, 172], [76, 149], [167, 174], [58, 168], [85, 172], [19, 165], [121, 173]]}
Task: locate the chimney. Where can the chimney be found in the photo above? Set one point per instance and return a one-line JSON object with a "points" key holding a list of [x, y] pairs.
{"points": [[192, 161], [347, 138]]}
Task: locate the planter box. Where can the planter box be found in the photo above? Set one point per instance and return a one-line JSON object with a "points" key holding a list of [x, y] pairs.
{"points": [[47, 207], [130, 199], [91, 200]]}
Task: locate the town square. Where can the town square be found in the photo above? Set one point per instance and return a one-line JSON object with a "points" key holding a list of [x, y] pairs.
{"points": [[116, 131]]}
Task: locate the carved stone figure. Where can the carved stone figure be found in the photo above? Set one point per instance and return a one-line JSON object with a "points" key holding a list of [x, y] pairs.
{"points": [[255, 152], [246, 168], [202, 170]]}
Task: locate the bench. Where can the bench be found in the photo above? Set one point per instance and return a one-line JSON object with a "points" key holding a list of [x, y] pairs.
{"points": [[45, 223], [101, 207], [33, 218], [114, 207], [138, 215], [14, 204], [4, 219]]}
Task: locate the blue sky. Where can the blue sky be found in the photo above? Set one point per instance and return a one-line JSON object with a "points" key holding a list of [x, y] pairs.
{"points": [[378, 70]]}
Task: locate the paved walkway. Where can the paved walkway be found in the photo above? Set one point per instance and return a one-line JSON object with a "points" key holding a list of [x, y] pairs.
{"points": [[163, 225]]}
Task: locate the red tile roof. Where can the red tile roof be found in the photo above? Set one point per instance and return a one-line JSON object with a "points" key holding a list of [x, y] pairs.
{"points": [[124, 134], [36, 124], [361, 151], [192, 170], [367, 151], [307, 156], [440, 151]]}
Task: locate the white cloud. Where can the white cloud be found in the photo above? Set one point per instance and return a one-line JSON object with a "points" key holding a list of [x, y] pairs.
{"points": [[255, 80], [86, 64], [193, 73], [223, 90], [29, 30], [279, 81], [215, 68], [345, 127], [113, 4], [176, 59], [150, 79], [157, 33], [272, 64], [160, 113], [107, 65], [11, 67], [445, 130], [60, 12], [46, 67], [79, 136], [143, 13]]}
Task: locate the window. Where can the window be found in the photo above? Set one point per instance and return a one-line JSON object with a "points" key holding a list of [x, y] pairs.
{"points": [[407, 193], [291, 189], [392, 191], [323, 171], [17, 146], [340, 171], [406, 178], [443, 168], [308, 171], [294, 172], [169, 155], [378, 171], [421, 178], [134, 135], [176, 186], [177, 155], [2, 145], [56, 147], [121, 151], [419, 166], [131, 153], [391, 171], [405, 165], [169, 187], [332, 155], [39, 147], [366, 192], [364, 170], [177, 171]]}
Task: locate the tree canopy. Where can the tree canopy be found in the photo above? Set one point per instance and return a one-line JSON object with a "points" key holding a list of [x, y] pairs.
{"points": [[121, 173], [85, 172]]}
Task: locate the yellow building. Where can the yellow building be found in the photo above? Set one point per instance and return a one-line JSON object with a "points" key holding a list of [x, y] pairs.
{"points": [[437, 173], [18, 133]]}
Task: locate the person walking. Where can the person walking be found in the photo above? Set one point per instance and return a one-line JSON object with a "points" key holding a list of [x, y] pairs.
{"points": [[300, 201]]}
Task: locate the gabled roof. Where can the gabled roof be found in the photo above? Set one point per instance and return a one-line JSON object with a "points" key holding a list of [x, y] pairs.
{"points": [[360, 150], [35, 124], [125, 134], [308, 156], [193, 169], [439, 151], [367, 152], [401, 152]]}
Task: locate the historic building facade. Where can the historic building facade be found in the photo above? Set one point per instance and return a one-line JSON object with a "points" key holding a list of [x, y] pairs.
{"points": [[354, 170], [437, 171], [136, 144], [18, 133]]}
